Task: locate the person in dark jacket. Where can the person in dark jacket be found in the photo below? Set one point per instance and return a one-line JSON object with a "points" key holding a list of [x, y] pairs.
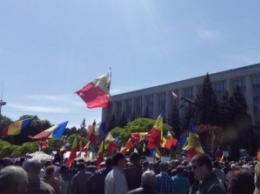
{"points": [[148, 184], [36, 185], [133, 172], [97, 181], [79, 181], [203, 172]]}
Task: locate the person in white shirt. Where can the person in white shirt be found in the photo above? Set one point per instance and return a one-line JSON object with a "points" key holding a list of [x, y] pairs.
{"points": [[115, 182]]}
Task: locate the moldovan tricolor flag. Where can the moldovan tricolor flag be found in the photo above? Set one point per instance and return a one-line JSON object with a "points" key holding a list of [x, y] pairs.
{"points": [[155, 134], [96, 93], [73, 152], [55, 132], [17, 127]]}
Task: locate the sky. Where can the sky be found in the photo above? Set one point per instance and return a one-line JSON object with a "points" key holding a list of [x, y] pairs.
{"points": [[50, 49]]}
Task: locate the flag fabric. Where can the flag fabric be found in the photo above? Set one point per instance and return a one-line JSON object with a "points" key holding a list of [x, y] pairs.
{"points": [[58, 131], [101, 130], [91, 134], [110, 144], [100, 157], [169, 141], [17, 127], [137, 137], [55, 132], [73, 152], [175, 97], [193, 145], [129, 144], [155, 134], [96, 93], [182, 141], [155, 153]]}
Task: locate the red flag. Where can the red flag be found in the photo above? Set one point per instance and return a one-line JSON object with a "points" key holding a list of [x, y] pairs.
{"points": [[96, 93], [100, 157], [155, 135], [73, 152], [129, 144]]}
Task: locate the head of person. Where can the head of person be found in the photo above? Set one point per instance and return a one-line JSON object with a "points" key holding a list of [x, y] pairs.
{"points": [[13, 180], [202, 166], [164, 166], [180, 169], [135, 158], [148, 179], [81, 166], [109, 163], [32, 167], [240, 181], [7, 162], [119, 160], [49, 171]]}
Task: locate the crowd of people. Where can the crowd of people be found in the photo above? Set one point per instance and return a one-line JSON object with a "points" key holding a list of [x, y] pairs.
{"points": [[120, 175]]}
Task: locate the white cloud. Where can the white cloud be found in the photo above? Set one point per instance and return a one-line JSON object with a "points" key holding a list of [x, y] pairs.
{"points": [[39, 109], [54, 98], [209, 34]]}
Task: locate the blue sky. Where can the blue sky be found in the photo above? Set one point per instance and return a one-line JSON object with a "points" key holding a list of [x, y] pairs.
{"points": [[51, 48]]}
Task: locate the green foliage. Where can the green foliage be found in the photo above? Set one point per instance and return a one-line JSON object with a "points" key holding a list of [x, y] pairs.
{"points": [[138, 125], [206, 108]]}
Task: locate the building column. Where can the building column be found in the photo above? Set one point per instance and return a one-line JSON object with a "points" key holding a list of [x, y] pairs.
{"points": [[168, 104], [249, 97], [229, 86], [155, 106]]}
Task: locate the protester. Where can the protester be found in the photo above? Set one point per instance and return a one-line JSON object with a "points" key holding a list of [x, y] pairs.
{"points": [[115, 182], [164, 183], [133, 172], [181, 183], [52, 180], [13, 180], [36, 186], [148, 184], [97, 181], [209, 182], [240, 181], [65, 175], [79, 180]]}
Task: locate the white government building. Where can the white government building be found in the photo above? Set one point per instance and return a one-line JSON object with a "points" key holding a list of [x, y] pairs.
{"points": [[159, 98]]}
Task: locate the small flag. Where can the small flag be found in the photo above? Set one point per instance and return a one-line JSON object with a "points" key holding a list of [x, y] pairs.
{"points": [[175, 97]]}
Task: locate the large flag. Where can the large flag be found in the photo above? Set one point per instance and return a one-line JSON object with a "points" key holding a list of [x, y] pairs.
{"points": [[92, 133], [96, 93], [155, 134], [193, 145], [55, 132], [17, 127], [73, 152]]}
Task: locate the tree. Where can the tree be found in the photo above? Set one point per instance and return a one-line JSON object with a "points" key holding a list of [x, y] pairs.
{"points": [[174, 119], [123, 120], [206, 104], [138, 125]]}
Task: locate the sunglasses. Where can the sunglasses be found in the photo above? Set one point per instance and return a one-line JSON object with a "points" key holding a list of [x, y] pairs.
{"points": [[194, 167]]}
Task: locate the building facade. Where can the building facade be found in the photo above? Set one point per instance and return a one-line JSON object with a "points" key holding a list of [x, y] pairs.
{"points": [[158, 99]]}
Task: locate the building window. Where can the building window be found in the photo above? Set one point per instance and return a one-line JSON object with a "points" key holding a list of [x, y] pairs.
{"points": [[256, 98], [118, 109], [150, 105], [138, 107], [162, 103], [128, 110], [219, 88], [241, 82]]}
